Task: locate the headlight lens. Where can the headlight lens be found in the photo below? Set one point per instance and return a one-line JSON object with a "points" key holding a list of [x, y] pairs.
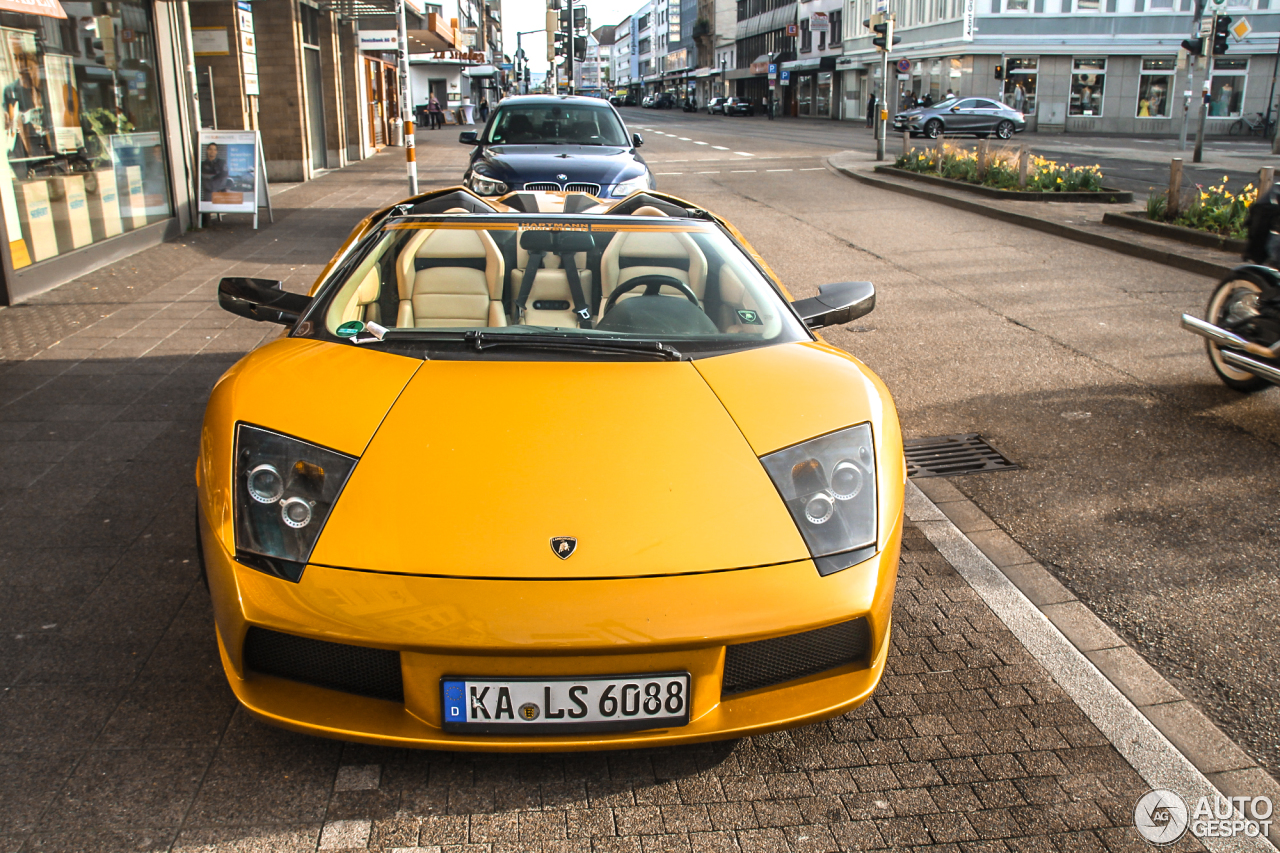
{"points": [[482, 185], [626, 188], [284, 491], [828, 484]]}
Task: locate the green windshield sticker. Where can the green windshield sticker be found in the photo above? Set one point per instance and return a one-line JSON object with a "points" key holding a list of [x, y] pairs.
{"points": [[350, 329], [749, 317]]}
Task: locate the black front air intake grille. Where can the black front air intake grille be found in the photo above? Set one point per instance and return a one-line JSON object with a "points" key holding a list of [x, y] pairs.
{"points": [[764, 663], [337, 666], [589, 189]]}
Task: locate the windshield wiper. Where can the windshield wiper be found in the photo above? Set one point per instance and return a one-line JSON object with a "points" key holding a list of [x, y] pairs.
{"points": [[482, 341]]}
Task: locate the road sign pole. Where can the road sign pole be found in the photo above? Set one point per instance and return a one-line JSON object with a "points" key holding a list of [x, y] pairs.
{"points": [[1275, 139], [1198, 153], [883, 106], [406, 100]]}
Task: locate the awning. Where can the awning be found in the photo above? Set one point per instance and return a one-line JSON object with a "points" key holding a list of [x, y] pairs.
{"points": [[705, 72], [48, 8], [802, 64], [480, 71], [760, 65]]}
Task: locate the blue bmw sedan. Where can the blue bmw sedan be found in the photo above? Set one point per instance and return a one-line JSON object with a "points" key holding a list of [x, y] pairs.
{"points": [[553, 143]]}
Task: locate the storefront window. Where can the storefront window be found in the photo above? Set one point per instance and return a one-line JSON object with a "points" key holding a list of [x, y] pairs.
{"points": [[1020, 83], [1226, 87], [1087, 79], [84, 157], [1016, 5], [1154, 87], [1088, 5], [822, 101]]}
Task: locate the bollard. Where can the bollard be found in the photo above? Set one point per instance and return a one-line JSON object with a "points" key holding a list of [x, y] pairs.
{"points": [[1266, 177], [984, 151], [906, 143], [941, 149], [1173, 200], [1024, 163]]}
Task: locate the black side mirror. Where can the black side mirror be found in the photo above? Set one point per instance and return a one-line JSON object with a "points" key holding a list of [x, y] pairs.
{"points": [[468, 137], [261, 299], [637, 140], [842, 302]]}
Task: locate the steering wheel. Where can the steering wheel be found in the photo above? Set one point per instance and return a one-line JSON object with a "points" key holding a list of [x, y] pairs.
{"points": [[653, 284]]}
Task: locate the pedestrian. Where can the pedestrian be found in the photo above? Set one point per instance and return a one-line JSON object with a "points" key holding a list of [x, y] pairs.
{"points": [[927, 100], [950, 95], [484, 110], [435, 112], [871, 109], [1019, 98]]}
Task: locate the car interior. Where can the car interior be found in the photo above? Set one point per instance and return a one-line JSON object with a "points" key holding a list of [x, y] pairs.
{"points": [[656, 277]]}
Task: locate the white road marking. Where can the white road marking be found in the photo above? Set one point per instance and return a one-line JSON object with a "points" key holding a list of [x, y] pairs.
{"points": [[707, 173], [744, 153], [684, 139], [813, 169], [696, 142], [668, 173], [779, 170], [740, 171], [719, 148]]}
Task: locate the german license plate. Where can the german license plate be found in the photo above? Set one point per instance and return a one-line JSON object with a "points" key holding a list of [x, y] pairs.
{"points": [[611, 703]]}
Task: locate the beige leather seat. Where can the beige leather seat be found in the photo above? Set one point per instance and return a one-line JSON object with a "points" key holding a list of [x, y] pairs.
{"points": [[364, 302], [550, 302], [451, 295], [645, 252]]}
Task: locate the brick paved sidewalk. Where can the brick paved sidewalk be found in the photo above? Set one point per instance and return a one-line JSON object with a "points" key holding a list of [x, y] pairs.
{"points": [[117, 731]]}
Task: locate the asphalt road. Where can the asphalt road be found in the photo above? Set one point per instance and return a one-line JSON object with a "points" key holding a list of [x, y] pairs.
{"points": [[1135, 165], [1146, 486]]}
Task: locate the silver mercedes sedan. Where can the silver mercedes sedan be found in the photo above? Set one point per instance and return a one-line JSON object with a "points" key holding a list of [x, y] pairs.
{"points": [[954, 116]]}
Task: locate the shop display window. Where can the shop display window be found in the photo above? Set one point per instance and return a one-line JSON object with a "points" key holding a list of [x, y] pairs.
{"points": [[1088, 77], [1226, 87], [84, 157], [1020, 83], [1155, 88]]}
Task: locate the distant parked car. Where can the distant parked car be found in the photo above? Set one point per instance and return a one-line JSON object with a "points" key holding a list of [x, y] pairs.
{"points": [[716, 105], [616, 100], [647, 103], [664, 101], [739, 107], [979, 116]]}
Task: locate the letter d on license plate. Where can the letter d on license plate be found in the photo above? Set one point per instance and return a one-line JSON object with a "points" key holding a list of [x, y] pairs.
{"points": [[598, 703]]}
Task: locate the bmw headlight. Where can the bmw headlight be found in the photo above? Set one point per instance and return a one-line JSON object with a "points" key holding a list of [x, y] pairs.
{"points": [[483, 185], [284, 490], [633, 185], [829, 486]]}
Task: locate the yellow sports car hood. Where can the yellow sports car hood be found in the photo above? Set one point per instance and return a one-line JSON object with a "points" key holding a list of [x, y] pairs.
{"points": [[480, 464]]}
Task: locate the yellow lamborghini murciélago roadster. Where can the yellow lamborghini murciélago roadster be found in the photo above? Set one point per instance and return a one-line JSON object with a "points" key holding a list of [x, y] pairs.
{"points": [[544, 473]]}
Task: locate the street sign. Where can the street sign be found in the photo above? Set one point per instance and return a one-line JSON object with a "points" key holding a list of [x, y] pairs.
{"points": [[1206, 26], [793, 29], [773, 69], [1241, 29], [1215, 5], [786, 77], [904, 65]]}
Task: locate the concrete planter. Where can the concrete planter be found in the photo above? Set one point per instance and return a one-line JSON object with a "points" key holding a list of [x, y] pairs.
{"points": [[1136, 220], [1107, 196]]}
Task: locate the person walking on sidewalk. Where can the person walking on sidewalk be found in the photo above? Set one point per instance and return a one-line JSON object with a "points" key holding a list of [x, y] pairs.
{"points": [[871, 110], [436, 113]]}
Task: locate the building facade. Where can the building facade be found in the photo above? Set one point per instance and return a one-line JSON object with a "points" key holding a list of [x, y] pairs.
{"points": [[1073, 66]]}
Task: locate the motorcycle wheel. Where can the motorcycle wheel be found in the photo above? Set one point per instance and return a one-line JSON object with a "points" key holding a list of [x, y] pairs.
{"points": [[1224, 297]]}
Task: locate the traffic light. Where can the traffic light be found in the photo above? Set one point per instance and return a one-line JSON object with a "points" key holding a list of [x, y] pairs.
{"points": [[999, 72], [1194, 46], [885, 39], [579, 17], [1221, 29], [580, 48], [557, 40]]}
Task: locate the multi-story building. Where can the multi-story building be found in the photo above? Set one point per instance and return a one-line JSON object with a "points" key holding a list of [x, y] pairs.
{"points": [[760, 38], [1078, 66], [646, 73], [593, 75], [620, 60], [811, 90]]}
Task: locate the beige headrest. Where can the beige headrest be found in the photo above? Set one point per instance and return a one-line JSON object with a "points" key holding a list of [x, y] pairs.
{"points": [[457, 210], [647, 210], [448, 243]]}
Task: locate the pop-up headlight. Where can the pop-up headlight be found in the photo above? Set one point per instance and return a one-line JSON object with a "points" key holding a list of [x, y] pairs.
{"points": [[829, 486], [284, 491]]}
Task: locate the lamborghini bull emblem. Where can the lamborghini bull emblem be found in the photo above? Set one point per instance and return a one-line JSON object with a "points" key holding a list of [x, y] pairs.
{"points": [[564, 546]]}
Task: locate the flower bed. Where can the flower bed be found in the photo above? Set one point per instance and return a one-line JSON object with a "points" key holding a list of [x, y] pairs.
{"points": [[1216, 210], [1043, 176]]}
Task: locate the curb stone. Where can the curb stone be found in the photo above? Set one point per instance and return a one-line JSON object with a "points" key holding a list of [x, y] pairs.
{"points": [[1147, 253], [938, 507]]}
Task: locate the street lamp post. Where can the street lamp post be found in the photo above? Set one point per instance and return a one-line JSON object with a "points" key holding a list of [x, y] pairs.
{"points": [[523, 87], [406, 100]]}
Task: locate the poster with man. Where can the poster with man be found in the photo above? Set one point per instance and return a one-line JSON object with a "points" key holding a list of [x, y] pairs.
{"points": [[228, 171]]}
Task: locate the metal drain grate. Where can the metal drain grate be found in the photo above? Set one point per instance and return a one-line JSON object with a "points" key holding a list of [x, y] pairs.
{"points": [[952, 455]]}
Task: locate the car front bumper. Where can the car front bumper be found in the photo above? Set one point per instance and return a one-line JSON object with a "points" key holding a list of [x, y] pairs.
{"points": [[520, 628]]}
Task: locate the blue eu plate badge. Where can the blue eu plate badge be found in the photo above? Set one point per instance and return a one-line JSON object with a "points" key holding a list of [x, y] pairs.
{"points": [[455, 698]]}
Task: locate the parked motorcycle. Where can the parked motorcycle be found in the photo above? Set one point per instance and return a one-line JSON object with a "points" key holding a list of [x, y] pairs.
{"points": [[690, 105], [1242, 322]]}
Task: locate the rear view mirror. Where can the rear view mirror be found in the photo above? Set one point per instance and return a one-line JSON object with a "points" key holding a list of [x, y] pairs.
{"points": [[468, 137], [637, 140], [261, 299], [842, 302]]}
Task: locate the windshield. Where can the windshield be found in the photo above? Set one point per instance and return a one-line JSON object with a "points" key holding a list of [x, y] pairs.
{"points": [[946, 103], [573, 280], [556, 124]]}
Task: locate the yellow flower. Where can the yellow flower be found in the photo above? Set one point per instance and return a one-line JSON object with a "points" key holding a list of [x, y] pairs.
{"points": [[1059, 180], [1203, 196], [1224, 179]]}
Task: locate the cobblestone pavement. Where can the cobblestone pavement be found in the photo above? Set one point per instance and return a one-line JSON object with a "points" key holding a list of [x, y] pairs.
{"points": [[117, 731]]}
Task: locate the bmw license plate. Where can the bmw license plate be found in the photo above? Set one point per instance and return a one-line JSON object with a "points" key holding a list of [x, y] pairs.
{"points": [[603, 703]]}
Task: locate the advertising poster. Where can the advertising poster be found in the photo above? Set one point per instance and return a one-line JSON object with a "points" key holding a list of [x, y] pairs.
{"points": [[228, 171], [64, 103]]}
